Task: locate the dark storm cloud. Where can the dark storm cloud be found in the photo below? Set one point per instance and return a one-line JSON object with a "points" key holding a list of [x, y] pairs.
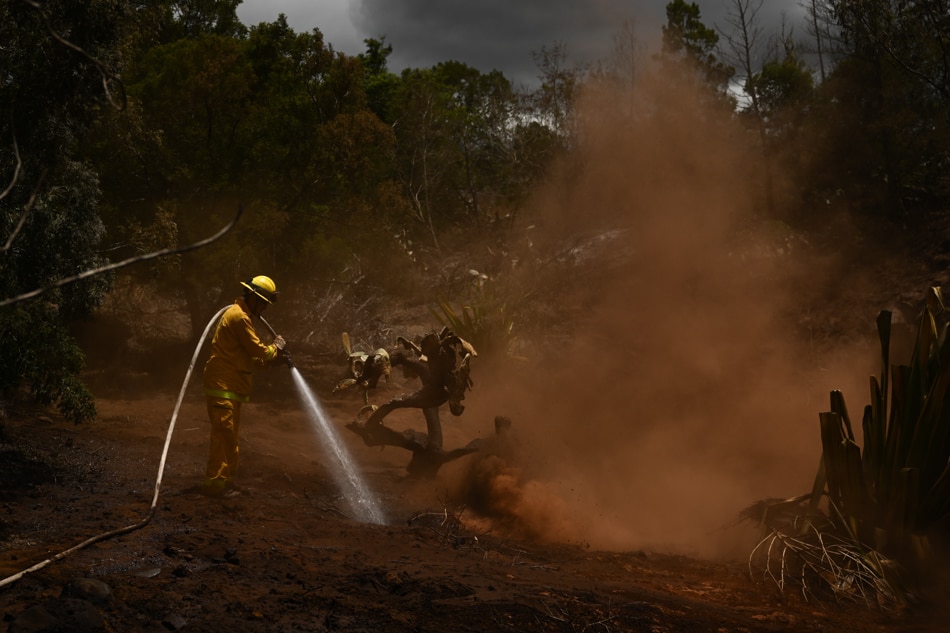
{"points": [[492, 34], [503, 34]]}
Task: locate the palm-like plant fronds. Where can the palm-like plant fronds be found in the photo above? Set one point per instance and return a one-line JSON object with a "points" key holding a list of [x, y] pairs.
{"points": [[880, 506]]}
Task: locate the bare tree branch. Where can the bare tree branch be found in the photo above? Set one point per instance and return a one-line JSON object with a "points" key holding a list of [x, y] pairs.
{"points": [[103, 72], [107, 77], [19, 161], [23, 216], [126, 262], [743, 43], [13, 181]]}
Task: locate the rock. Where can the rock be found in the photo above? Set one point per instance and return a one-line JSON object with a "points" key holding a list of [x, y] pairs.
{"points": [[60, 614], [90, 589], [174, 622], [36, 619]]}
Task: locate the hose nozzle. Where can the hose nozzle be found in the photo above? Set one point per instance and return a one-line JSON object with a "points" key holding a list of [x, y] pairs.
{"points": [[282, 352]]}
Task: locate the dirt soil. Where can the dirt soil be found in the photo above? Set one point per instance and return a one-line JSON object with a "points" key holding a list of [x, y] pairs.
{"points": [[287, 555]]}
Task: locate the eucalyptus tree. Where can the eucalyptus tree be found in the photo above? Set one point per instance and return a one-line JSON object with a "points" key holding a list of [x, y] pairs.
{"points": [[59, 62]]}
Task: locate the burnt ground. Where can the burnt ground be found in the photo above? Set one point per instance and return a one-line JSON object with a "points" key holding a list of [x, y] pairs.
{"points": [[286, 556]]}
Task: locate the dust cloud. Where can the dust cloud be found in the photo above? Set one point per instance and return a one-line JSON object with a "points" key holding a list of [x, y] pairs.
{"points": [[684, 392]]}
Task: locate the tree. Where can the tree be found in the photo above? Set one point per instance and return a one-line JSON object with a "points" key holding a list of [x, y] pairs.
{"points": [[460, 146], [319, 154], [744, 43], [481, 110], [911, 35], [59, 62], [620, 71], [886, 101], [194, 97], [687, 41], [554, 100], [379, 82], [275, 119], [165, 21], [781, 84], [423, 144], [820, 26], [784, 91]]}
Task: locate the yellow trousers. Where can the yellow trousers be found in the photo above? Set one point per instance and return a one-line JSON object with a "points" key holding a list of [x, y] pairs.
{"points": [[225, 418]]}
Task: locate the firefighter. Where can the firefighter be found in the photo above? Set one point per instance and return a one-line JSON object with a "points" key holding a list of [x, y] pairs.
{"points": [[236, 351]]}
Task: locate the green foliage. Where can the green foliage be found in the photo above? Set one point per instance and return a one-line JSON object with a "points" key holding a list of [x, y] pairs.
{"points": [[54, 86], [459, 143], [780, 84], [39, 353], [380, 83], [686, 37], [554, 101], [308, 112], [193, 18], [196, 92], [484, 319]]}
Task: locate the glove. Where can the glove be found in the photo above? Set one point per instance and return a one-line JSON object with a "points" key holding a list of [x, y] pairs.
{"points": [[279, 342]]}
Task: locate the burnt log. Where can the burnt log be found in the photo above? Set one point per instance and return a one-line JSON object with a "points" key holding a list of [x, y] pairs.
{"points": [[427, 456], [443, 368]]}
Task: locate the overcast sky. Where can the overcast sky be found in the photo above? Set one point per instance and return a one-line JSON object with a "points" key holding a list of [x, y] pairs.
{"points": [[494, 34]]}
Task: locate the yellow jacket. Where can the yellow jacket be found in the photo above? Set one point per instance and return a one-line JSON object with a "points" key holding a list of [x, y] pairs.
{"points": [[235, 351]]}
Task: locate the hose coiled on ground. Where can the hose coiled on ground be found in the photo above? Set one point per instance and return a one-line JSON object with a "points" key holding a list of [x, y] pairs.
{"points": [[158, 480]]}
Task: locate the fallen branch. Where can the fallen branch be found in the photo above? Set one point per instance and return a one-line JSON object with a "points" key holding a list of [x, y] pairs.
{"points": [[847, 568]]}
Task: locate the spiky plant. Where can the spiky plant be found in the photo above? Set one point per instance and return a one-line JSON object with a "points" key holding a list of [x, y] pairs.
{"points": [[483, 318], [881, 506]]}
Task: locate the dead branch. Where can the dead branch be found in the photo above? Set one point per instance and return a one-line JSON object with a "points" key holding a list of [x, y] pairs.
{"points": [[848, 569], [16, 171], [26, 212], [104, 73], [106, 76]]}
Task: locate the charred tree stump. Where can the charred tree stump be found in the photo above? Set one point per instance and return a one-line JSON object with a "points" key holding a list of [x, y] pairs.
{"points": [[428, 456], [443, 367]]}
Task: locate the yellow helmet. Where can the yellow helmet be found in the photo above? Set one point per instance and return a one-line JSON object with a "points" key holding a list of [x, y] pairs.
{"points": [[263, 287]]}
